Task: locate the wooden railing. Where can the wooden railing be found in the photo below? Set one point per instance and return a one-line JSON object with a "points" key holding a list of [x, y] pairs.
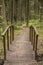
{"points": [[34, 38], [8, 35]]}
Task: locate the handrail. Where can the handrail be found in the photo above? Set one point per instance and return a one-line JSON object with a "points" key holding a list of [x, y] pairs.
{"points": [[34, 38], [35, 29], [8, 34], [5, 30]]}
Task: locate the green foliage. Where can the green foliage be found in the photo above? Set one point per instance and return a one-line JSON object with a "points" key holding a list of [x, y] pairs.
{"points": [[0, 33], [34, 22], [17, 32], [1, 19]]}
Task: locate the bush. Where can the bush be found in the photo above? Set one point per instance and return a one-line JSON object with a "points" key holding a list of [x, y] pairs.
{"points": [[1, 19]]}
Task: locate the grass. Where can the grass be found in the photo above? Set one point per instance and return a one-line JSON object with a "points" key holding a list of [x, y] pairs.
{"points": [[17, 32]]}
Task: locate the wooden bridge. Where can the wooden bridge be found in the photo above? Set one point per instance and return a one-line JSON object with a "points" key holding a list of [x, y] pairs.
{"points": [[23, 49]]}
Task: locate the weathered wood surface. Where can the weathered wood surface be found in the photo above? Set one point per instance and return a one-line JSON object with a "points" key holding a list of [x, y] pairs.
{"points": [[21, 51], [34, 38]]}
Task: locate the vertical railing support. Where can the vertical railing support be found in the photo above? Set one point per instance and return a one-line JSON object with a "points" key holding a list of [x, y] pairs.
{"points": [[8, 39], [30, 34], [10, 35], [4, 45], [36, 47], [34, 41]]}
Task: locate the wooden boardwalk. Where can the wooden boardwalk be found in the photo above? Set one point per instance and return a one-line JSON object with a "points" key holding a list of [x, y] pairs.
{"points": [[21, 51]]}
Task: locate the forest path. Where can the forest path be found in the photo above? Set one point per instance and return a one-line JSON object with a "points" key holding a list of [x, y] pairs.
{"points": [[21, 51]]}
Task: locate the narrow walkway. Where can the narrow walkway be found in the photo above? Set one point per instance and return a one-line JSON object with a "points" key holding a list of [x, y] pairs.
{"points": [[21, 52]]}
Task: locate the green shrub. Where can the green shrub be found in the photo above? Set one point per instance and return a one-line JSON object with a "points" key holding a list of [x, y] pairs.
{"points": [[1, 19]]}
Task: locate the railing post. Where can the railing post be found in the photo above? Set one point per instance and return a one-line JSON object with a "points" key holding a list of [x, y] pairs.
{"points": [[12, 33], [33, 36], [30, 34], [34, 41], [10, 36], [4, 45], [8, 39], [36, 46]]}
